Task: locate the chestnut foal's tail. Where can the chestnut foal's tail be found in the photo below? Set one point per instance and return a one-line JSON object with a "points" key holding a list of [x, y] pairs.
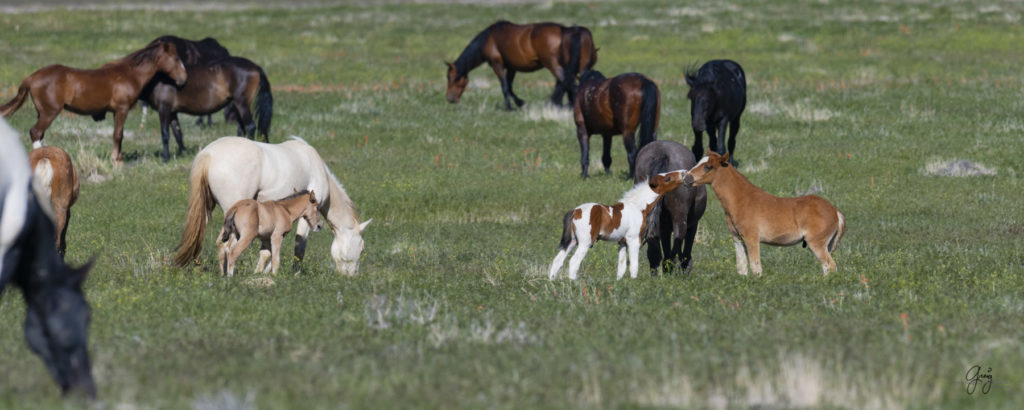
{"points": [[200, 202], [15, 103], [833, 242]]}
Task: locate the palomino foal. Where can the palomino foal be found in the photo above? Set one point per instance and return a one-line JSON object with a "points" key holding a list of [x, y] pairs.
{"points": [[270, 221], [754, 216], [622, 223]]}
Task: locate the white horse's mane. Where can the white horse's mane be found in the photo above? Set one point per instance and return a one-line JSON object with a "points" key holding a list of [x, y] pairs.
{"points": [[345, 199], [640, 195]]}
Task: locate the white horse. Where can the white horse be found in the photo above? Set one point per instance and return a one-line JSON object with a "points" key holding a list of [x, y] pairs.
{"points": [[232, 168]]}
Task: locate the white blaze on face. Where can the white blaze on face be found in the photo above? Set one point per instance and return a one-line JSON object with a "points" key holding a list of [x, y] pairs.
{"points": [[700, 163]]}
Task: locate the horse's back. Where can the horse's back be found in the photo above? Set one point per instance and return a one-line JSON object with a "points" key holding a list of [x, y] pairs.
{"points": [[240, 168]]}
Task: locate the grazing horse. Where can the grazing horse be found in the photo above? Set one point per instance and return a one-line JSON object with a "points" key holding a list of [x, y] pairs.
{"points": [[194, 52], [231, 169], [755, 217], [56, 184], [622, 223], [615, 106], [509, 48], [672, 224], [718, 95], [211, 86], [56, 313], [113, 87], [270, 221]]}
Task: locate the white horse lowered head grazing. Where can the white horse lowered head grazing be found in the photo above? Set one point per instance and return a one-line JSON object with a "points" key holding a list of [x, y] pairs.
{"points": [[232, 168], [622, 223]]}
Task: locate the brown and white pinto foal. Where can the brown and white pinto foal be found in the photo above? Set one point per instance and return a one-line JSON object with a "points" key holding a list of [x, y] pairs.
{"points": [[622, 223], [270, 221], [755, 216]]}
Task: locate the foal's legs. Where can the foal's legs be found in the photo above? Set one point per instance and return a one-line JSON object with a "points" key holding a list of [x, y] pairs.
{"points": [[577, 258], [633, 247], [275, 251], [263, 264], [820, 250], [556, 264], [606, 153], [753, 245], [236, 249], [622, 262]]}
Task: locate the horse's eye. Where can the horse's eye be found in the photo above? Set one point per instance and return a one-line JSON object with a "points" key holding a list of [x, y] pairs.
{"points": [[707, 167]]}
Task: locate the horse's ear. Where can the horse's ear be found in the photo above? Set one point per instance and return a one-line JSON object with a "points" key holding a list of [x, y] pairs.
{"points": [[725, 159], [363, 225], [449, 64], [76, 276], [655, 181], [312, 197]]}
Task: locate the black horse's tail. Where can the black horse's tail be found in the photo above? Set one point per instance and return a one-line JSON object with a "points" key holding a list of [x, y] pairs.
{"points": [[649, 113], [653, 224], [264, 106], [572, 63], [567, 233]]}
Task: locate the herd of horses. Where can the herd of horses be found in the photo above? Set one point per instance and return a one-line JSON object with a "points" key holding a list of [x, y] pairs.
{"points": [[264, 188]]}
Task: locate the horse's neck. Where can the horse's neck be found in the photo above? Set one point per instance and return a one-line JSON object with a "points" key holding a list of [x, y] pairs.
{"points": [[473, 55], [141, 73], [294, 207], [340, 213], [730, 186]]}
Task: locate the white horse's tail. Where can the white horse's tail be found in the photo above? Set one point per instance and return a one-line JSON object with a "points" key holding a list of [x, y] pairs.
{"points": [[200, 202]]}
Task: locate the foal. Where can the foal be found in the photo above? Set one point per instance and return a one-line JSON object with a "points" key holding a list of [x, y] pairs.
{"points": [[58, 185], [754, 216], [269, 221], [622, 223]]}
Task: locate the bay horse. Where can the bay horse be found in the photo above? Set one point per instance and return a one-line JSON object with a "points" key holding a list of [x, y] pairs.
{"points": [[510, 48], [619, 105], [56, 184], [270, 221], [233, 82], [113, 87], [672, 224], [231, 169], [755, 216], [718, 95], [194, 52], [622, 223], [56, 312]]}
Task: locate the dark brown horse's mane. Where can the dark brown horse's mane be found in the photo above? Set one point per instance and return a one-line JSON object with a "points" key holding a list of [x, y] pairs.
{"points": [[147, 53]]}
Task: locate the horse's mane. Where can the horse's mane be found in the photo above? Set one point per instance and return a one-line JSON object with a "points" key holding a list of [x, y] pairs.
{"points": [[591, 75], [295, 195], [695, 77], [345, 199], [146, 53], [473, 55], [639, 194]]}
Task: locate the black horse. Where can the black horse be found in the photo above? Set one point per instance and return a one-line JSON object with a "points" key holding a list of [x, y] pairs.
{"points": [[196, 52], [718, 95], [674, 218], [56, 313]]}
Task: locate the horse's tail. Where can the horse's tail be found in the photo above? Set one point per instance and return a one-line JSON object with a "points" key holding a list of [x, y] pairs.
{"points": [[229, 227], [200, 202], [833, 242], [567, 234], [15, 103], [649, 112], [572, 64], [264, 106]]}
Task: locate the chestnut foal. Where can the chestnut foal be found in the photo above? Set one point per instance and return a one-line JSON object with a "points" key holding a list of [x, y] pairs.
{"points": [[755, 216], [270, 221], [622, 223]]}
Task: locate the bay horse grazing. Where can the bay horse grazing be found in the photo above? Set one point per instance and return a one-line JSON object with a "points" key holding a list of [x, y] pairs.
{"points": [[672, 224], [194, 52], [113, 87], [622, 223], [56, 312], [270, 221], [231, 169], [718, 95], [619, 105], [510, 48], [233, 82], [57, 184], [755, 217]]}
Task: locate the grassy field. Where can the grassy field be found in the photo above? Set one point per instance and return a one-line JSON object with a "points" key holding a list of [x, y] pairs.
{"points": [[865, 100]]}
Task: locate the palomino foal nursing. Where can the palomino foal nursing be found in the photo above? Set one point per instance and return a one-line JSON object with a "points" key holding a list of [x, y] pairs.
{"points": [[754, 216], [622, 223], [270, 221]]}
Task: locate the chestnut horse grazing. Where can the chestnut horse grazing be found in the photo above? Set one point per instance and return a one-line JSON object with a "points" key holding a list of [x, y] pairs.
{"points": [[270, 221], [509, 48], [231, 169], [622, 223], [113, 87], [56, 183], [754, 216], [616, 106]]}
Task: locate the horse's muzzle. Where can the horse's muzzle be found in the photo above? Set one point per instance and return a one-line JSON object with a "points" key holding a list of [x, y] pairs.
{"points": [[688, 180]]}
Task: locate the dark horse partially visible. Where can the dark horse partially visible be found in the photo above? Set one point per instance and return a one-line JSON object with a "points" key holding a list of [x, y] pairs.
{"points": [[718, 95], [213, 85], [56, 313], [616, 106], [194, 52], [509, 48], [674, 218]]}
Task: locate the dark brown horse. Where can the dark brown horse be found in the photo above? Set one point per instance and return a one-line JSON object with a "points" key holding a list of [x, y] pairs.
{"points": [[233, 82], [194, 52], [56, 182], [509, 48], [615, 106], [113, 87]]}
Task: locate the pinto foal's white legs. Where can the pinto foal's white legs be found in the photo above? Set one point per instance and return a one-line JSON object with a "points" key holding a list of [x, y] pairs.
{"points": [[633, 245], [556, 264], [577, 258]]}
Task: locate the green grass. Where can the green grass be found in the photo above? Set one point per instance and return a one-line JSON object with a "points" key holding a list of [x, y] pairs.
{"points": [[453, 307]]}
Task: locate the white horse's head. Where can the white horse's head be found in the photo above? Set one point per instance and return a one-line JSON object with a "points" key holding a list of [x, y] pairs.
{"points": [[348, 247]]}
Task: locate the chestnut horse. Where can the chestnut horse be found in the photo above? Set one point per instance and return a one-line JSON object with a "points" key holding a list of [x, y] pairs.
{"points": [[622, 223], [270, 221], [56, 312], [509, 48], [616, 106], [195, 52], [755, 217], [233, 82], [113, 87], [56, 183], [718, 95]]}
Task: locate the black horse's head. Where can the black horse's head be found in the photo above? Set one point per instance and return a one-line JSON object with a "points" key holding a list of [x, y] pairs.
{"points": [[702, 100]]}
